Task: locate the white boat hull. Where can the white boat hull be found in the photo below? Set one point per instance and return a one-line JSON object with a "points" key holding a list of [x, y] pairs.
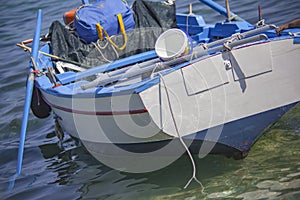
{"points": [[201, 99], [227, 87]]}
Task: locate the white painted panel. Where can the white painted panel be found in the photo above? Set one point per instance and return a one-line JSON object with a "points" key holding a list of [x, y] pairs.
{"points": [[245, 61], [203, 76], [232, 101]]}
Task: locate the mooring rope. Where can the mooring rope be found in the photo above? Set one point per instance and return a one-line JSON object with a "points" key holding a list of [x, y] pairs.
{"points": [[181, 140], [187, 18]]}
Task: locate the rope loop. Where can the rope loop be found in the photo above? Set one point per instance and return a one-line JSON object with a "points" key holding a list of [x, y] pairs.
{"points": [[101, 30]]}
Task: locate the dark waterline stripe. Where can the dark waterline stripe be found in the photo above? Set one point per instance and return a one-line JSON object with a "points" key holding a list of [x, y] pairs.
{"points": [[106, 113]]}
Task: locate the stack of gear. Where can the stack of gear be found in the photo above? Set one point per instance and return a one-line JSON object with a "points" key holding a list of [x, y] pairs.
{"points": [[150, 19], [108, 16]]}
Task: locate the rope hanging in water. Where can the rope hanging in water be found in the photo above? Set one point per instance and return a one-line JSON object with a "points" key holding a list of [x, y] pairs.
{"points": [[181, 140]]}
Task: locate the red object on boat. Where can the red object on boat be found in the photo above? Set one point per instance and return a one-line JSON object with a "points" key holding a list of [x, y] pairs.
{"points": [[69, 16]]}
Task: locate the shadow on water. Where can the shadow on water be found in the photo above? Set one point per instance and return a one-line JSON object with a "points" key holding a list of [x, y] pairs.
{"points": [[78, 167], [72, 169], [271, 171]]}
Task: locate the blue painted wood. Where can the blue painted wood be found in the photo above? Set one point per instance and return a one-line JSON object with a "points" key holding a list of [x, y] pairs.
{"points": [[30, 82], [192, 24], [85, 1], [220, 9], [110, 66], [217, 7], [29, 89], [296, 40]]}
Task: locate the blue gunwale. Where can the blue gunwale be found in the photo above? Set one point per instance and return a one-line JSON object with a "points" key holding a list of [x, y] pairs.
{"points": [[98, 92]]}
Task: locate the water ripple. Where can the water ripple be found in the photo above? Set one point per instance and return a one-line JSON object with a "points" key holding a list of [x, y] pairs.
{"points": [[270, 171]]}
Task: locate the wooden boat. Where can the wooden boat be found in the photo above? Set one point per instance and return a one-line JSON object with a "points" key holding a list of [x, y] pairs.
{"points": [[238, 80]]}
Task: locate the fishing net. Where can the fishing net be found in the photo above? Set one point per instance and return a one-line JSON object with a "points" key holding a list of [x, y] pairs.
{"points": [[151, 19]]}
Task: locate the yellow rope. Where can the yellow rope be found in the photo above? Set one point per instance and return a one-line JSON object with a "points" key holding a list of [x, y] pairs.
{"points": [[100, 31]]}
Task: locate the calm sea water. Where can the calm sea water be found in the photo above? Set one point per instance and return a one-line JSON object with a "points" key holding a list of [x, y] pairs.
{"points": [[271, 171]]}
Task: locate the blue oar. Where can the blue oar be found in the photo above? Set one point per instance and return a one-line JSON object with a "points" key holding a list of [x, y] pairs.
{"points": [[220, 9], [85, 2], [216, 7], [29, 88]]}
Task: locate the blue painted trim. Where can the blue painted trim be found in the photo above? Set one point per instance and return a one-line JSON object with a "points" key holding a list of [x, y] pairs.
{"points": [[216, 7], [220, 9], [296, 40], [85, 2], [110, 66], [98, 92], [29, 89]]}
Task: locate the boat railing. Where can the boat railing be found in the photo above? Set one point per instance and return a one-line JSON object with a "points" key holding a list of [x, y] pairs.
{"points": [[242, 35], [118, 68], [119, 63], [153, 66]]}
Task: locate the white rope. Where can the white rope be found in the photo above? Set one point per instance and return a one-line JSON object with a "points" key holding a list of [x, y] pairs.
{"points": [[294, 34], [187, 23], [187, 18], [156, 66], [100, 48], [181, 140]]}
